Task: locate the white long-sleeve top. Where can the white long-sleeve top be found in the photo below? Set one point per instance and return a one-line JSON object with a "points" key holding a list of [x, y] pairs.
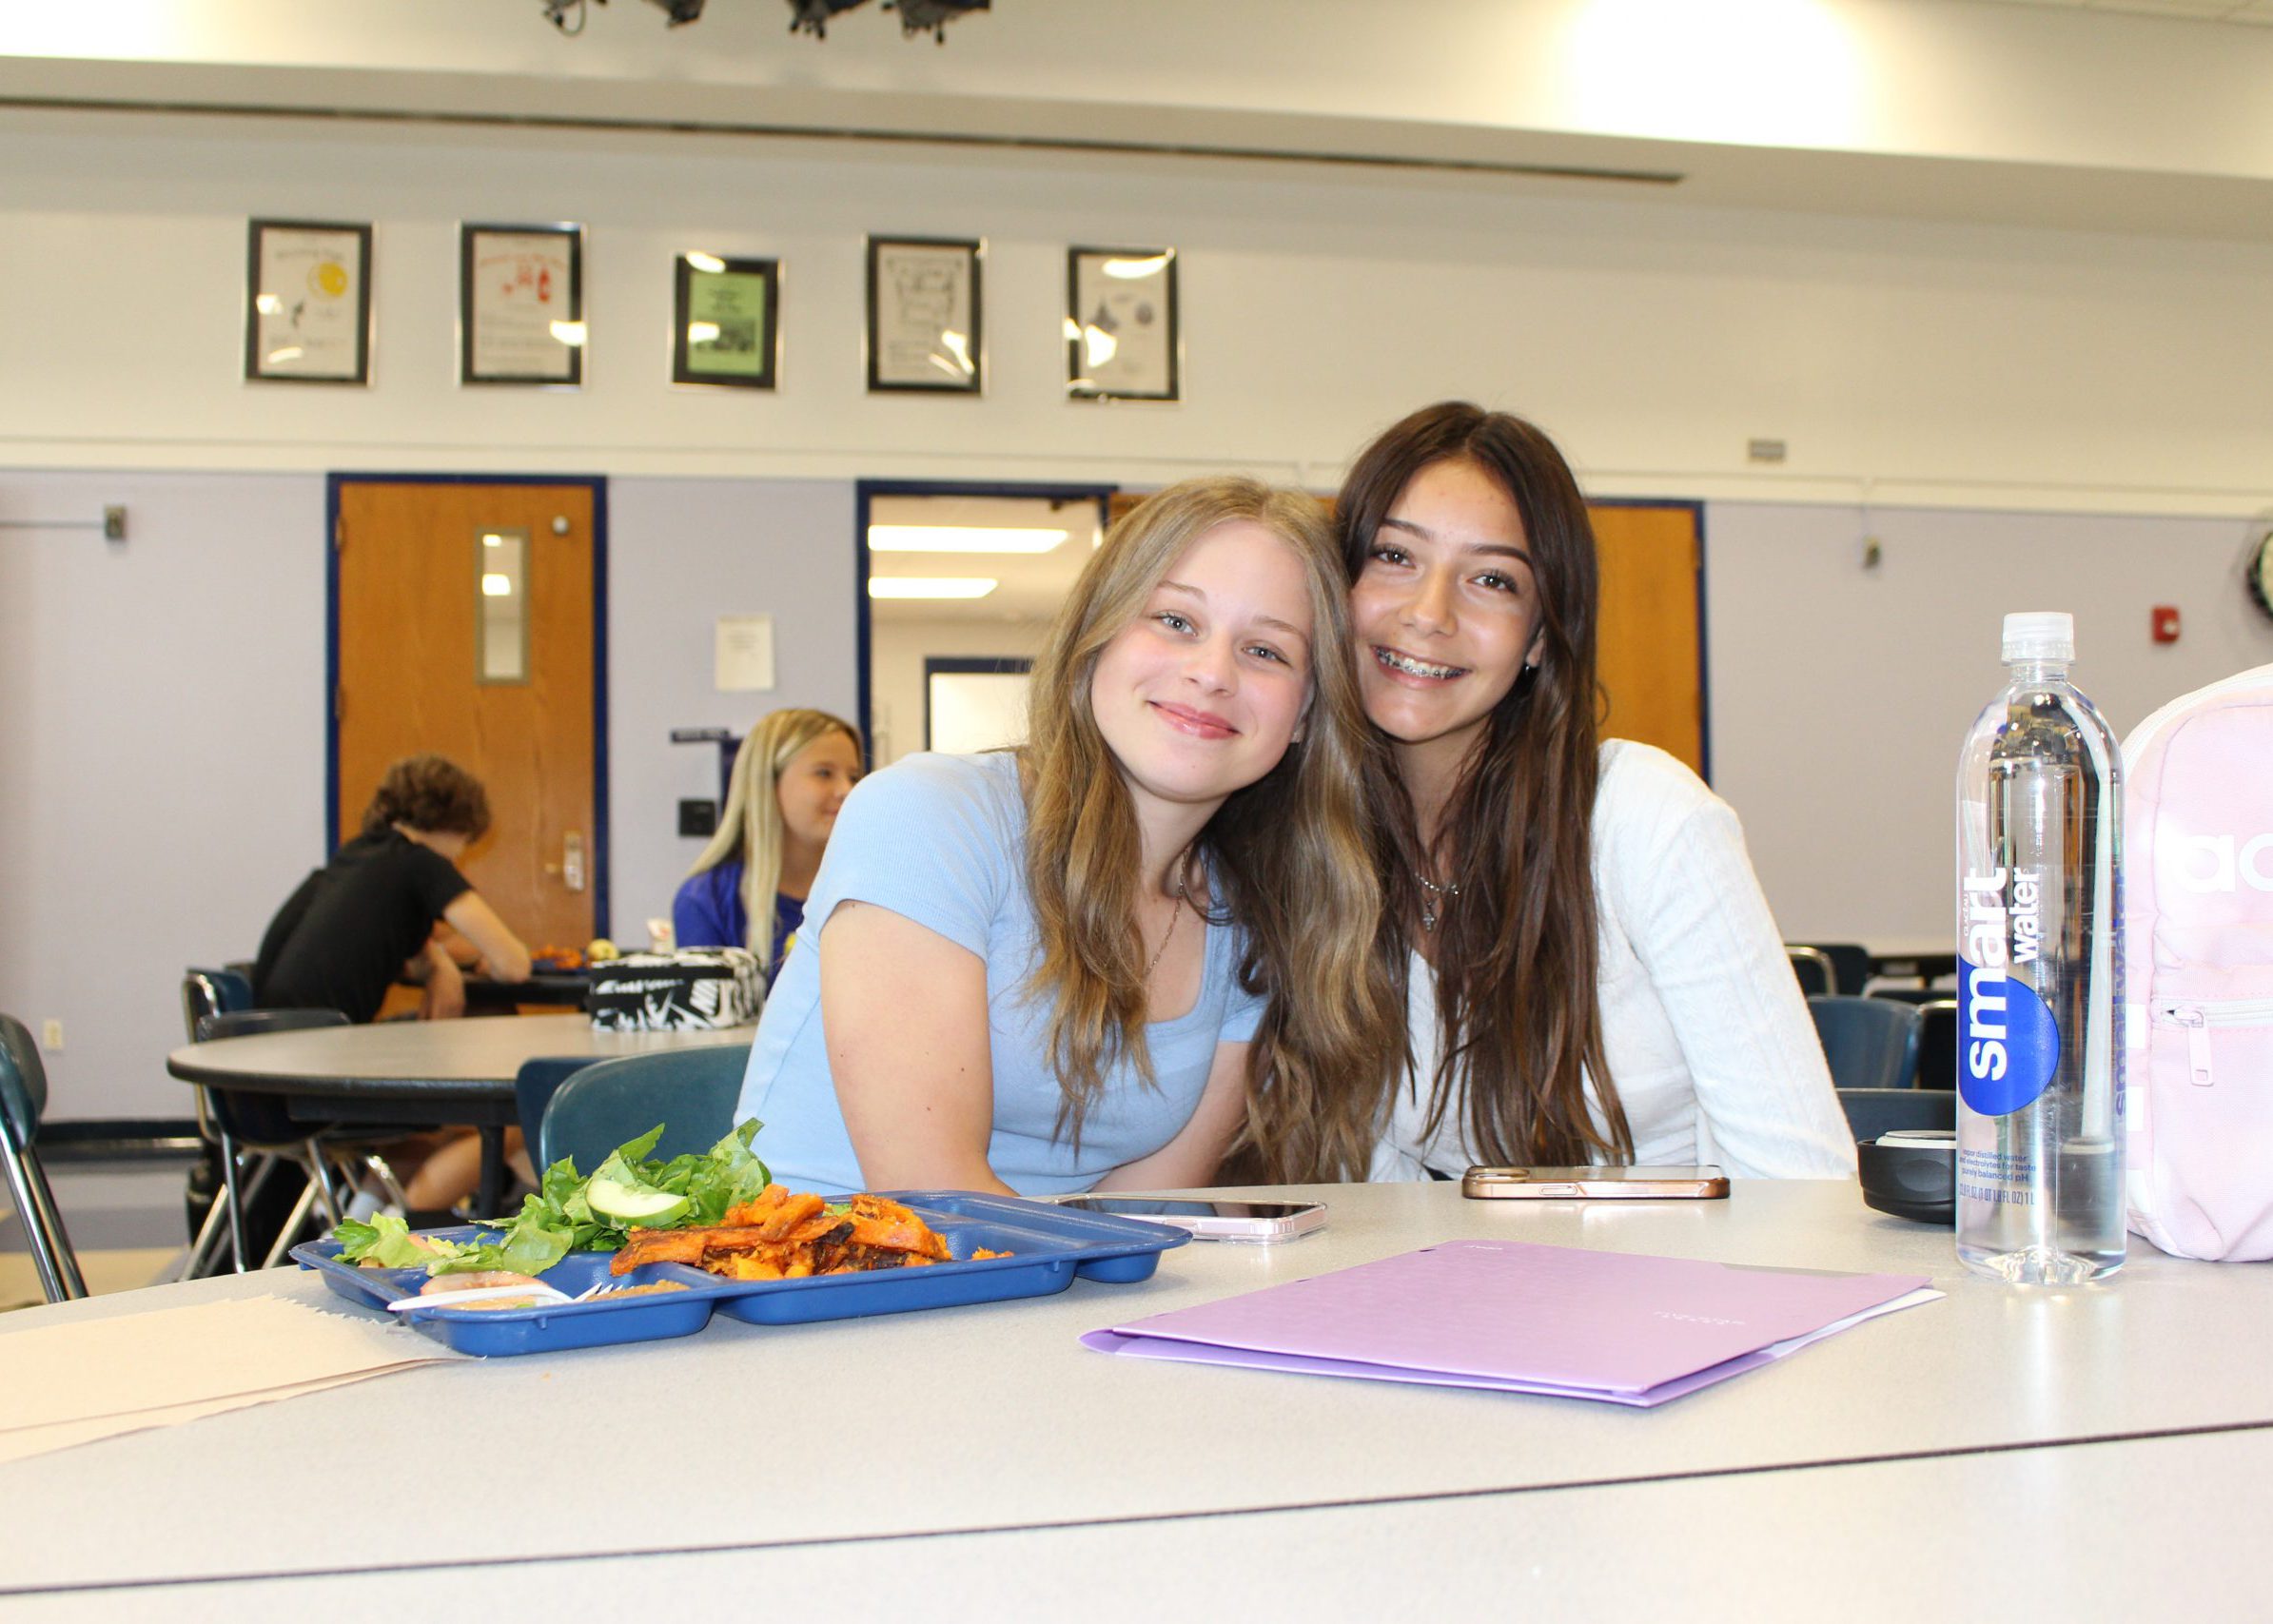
{"points": [[1704, 1028]]}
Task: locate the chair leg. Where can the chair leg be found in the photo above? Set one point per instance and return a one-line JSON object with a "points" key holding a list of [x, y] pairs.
{"points": [[59, 1239], [207, 1245], [235, 1198], [311, 1156], [290, 1232], [43, 1224]]}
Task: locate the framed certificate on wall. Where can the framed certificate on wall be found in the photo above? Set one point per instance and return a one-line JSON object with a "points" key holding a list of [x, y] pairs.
{"points": [[923, 316], [307, 302], [1121, 341], [520, 304], [726, 321]]}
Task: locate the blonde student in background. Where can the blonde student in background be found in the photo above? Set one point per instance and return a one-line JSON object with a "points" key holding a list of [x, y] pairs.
{"points": [[1068, 966], [748, 888]]}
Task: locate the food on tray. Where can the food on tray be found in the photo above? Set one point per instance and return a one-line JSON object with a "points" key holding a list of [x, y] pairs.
{"points": [[718, 1211], [561, 1217], [601, 948], [550, 957], [634, 1204], [442, 1284], [788, 1235]]}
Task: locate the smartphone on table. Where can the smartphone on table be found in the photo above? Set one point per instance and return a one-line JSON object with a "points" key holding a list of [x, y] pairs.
{"points": [[1594, 1183], [1212, 1219]]}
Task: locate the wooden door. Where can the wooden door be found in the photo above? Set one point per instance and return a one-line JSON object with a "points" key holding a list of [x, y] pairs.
{"points": [[1648, 651], [419, 609]]}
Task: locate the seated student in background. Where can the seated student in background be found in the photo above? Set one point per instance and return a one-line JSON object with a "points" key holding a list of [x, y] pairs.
{"points": [[366, 919], [1593, 974], [1049, 968], [749, 887]]}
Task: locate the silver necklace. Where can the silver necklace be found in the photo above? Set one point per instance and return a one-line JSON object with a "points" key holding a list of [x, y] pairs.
{"points": [[1169, 934], [1430, 910]]}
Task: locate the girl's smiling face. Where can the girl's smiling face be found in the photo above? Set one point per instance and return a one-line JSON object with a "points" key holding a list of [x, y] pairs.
{"points": [[814, 785], [1200, 694], [1445, 609]]}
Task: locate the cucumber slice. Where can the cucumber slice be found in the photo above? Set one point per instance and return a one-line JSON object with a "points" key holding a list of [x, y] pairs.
{"points": [[634, 1205]]}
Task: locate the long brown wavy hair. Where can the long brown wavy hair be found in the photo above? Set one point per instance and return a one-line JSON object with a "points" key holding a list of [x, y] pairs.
{"points": [[1288, 857], [1515, 953]]}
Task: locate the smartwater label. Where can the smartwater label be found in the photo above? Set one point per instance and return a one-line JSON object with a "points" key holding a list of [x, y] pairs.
{"points": [[2010, 1043]]}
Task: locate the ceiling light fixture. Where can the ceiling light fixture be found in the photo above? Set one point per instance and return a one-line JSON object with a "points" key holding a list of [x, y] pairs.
{"points": [[959, 539], [930, 586]]}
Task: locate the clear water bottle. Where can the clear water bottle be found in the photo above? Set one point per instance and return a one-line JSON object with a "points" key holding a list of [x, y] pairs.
{"points": [[2040, 974]]}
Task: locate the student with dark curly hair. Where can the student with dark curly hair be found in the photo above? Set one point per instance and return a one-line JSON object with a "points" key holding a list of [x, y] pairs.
{"points": [[367, 918]]}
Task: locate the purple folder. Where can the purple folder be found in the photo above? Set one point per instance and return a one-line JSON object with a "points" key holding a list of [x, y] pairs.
{"points": [[1522, 1318]]}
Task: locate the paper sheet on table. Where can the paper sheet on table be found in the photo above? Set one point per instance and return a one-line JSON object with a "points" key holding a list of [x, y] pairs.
{"points": [[71, 1383], [1512, 1317]]}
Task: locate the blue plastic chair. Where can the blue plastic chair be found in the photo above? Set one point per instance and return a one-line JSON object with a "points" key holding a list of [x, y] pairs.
{"points": [[1937, 1043], [1873, 1111], [691, 1091], [23, 1096], [212, 992], [1870, 1042], [534, 1086]]}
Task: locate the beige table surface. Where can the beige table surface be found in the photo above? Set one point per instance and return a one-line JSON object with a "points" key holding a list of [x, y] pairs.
{"points": [[2145, 1530], [994, 1418]]}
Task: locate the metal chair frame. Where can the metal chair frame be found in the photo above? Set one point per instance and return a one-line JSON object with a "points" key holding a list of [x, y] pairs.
{"points": [[319, 1159], [1813, 959], [23, 1095]]}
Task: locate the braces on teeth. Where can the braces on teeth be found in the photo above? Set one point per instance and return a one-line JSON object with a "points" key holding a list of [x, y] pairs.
{"points": [[1413, 667]]}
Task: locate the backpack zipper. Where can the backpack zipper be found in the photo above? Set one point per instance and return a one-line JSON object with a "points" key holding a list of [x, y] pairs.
{"points": [[2197, 1020]]}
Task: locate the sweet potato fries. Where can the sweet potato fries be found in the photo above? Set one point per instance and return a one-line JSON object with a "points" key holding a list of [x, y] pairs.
{"points": [[787, 1235]]}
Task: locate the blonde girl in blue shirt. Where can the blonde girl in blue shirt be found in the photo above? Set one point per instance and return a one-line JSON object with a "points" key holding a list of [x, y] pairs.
{"points": [[1085, 962]]}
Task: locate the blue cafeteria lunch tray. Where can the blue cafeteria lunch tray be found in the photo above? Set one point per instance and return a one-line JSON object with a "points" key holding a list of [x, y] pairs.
{"points": [[1048, 1246]]}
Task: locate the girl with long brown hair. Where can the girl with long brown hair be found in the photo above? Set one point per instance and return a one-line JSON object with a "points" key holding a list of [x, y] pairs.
{"points": [[1056, 968], [1592, 974]]}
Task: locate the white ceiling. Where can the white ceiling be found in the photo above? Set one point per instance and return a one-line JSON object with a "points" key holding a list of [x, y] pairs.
{"points": [[2258, 11], [2108, 115]]}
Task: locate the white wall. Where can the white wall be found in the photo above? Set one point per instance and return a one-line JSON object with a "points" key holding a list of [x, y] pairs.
{"points": [[1839, 696], [1946, 364], [897, 655], [682, 553], [161, 727]]}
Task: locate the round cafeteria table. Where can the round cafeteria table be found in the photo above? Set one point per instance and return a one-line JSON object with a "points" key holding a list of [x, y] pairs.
{"points": [[979, 1460], [417, 1072]]}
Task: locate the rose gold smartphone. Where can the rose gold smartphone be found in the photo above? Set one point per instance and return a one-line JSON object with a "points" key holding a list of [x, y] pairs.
{"points": [[1593, 1184]]}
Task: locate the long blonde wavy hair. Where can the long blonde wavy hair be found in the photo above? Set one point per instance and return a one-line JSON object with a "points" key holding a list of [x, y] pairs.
{"points": [[750, 827], [1288, 857]]}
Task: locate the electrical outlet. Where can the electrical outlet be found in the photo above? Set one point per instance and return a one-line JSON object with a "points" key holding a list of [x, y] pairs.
{"points": [[50, 1035]]}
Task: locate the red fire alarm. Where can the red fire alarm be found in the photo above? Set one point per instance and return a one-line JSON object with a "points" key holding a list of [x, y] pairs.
{"points": [[2164, 619]]}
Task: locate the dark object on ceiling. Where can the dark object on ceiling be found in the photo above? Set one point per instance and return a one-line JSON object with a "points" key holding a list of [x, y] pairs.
{"points": [[812, 16], [931, 16], [678, 11]]}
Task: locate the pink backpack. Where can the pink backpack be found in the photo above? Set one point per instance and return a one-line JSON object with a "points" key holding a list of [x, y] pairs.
{"points": [[2198, 952]]}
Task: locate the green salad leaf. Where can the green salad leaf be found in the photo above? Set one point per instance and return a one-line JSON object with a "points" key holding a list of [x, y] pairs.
{"points": [[557, 1219]]}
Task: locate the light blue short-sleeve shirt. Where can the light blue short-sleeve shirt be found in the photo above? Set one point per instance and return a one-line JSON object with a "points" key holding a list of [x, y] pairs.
{"points": [[941, 840]]}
